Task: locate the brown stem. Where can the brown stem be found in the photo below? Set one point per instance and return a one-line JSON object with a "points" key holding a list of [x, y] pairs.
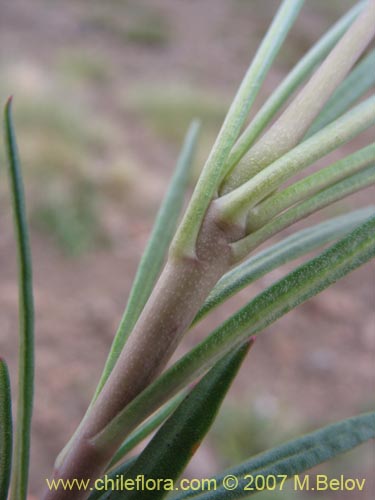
{"points": [[181, 290]]}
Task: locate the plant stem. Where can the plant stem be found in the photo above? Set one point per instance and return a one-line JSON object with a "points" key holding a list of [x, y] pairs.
{"points": [[304, 282], [296, 245], [181, 289]]}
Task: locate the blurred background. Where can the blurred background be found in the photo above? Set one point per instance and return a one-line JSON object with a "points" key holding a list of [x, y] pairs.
{"points": [[103, 94]]}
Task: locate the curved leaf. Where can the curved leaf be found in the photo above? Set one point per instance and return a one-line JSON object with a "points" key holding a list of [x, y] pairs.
{"points": [[20, 471], [145, 429], [166, 456], [5, 430], [293, 458]]}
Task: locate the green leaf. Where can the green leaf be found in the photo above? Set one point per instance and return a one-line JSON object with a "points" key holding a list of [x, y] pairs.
{"points": [[360, 80], [306, 281], [297, 75], [235, 205], [5, 430], [293, 458], [288, 130], [156, 249], [216, 168], [20, 469], [145, 429], [326, 197], [288, 249], [309, 186], [175, 443]]}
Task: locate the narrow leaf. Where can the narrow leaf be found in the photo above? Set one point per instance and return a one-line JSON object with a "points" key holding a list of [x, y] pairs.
{"points": [[324, 198], [216, 168], [297, 75], [288, 249], [360, 80], [306, 281], [175, 443], [145, 429], [310, 186], [20, 469], [294, 457], [236, 204], [291, 126], [156, 249], [5, 430]]}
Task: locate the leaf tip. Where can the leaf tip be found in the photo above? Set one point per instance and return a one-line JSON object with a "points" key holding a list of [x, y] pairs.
{"points": [[9, 102]]}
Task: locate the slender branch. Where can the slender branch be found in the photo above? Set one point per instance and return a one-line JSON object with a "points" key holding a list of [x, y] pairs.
{"points": [[266, 210], [215, 167], [20, 470], [235, 206], [298, 74], [294, 122]]}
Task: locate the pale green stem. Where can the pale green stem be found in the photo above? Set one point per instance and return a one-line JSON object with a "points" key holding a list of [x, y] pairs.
{"points": [[266, 210], [292, 125], [235, 206], [324, 198], [298, 74], [215, 167]]}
